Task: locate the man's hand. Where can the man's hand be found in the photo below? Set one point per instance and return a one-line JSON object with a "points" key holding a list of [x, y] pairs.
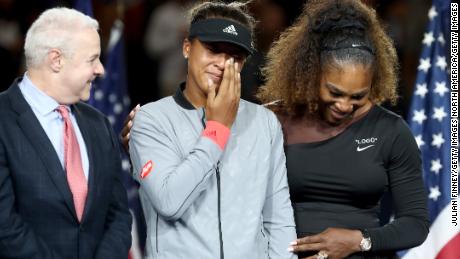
{"points": [[127, 125], [335, 242], [223, 106]]}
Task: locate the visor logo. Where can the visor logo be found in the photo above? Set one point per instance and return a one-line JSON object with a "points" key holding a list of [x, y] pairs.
{"points": [[230, 29]]}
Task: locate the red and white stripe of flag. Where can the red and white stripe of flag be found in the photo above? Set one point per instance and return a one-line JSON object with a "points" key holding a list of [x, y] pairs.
{"points": [[443, 241]]}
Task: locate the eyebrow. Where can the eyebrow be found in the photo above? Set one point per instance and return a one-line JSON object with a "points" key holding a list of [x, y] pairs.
{"points": [[94, 56], [334, 88]]}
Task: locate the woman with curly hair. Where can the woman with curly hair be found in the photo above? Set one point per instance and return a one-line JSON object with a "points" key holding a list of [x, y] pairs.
{"points": [[326, 78]]}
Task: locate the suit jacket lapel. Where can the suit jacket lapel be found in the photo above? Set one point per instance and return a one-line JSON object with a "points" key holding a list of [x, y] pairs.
{"points": [[32, 129], [85, 129]]}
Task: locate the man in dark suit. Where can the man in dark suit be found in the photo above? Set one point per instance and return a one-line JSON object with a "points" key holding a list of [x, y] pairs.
{"points": [[61, 194]]}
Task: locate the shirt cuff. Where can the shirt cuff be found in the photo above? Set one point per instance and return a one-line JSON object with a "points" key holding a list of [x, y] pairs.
{"points": [[217, 132]]}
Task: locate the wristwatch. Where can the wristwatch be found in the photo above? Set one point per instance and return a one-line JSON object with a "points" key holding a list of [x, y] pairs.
{"points": [[366, 242]]}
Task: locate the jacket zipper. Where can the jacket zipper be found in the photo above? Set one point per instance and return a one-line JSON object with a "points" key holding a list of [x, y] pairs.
{"points": [[221, 242], [156, 234], [218, 212]]}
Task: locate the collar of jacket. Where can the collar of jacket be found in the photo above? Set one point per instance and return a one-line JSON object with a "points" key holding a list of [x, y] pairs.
{"points": [[180, 99]]}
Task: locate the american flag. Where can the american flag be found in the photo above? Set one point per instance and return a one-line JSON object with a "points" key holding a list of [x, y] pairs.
{"points": [[429, 120], [109, 95]]}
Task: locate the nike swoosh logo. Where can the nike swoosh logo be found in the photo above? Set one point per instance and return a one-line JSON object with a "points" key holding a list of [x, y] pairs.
{"points": [[359, 149]]}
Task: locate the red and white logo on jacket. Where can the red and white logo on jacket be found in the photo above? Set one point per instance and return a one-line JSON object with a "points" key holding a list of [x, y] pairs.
{"points": [[146, 169]]}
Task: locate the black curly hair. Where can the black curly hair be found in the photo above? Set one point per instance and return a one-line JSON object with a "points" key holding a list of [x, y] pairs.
{"points": [[342, 36], [328, 33]]}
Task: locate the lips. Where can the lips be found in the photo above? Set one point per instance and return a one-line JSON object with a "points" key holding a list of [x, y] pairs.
{"points": [[215, 77], [338, 115]]}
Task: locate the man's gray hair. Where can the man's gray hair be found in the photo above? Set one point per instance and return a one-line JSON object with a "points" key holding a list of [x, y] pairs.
{"points": [[54, 28]]}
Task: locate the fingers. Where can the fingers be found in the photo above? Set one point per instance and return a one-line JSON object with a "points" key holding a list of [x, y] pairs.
{"points": [[132, 113], [125, 142], [127, 125], [310, 239], [231, 83], [237, 81], [334, 242], [222, 104], [226, 79], [308, 243], [211, 91], [125, 135], [129, 117], [306, 247], [134, 110]]}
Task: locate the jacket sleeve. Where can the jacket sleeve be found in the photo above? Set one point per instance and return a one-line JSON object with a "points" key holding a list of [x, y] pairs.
{"points": [[404, 166], [116, 240], [17, 239], [278, 216], [173, 181]]}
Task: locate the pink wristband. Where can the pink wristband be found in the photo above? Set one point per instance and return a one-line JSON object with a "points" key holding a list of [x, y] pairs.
{"points": [[217, 132]]}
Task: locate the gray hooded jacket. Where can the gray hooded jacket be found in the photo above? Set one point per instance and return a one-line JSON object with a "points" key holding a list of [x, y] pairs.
{"points": [[204, 202]]}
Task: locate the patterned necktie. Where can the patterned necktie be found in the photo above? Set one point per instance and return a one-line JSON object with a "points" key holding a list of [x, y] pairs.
{"points": [[73, 164]]}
